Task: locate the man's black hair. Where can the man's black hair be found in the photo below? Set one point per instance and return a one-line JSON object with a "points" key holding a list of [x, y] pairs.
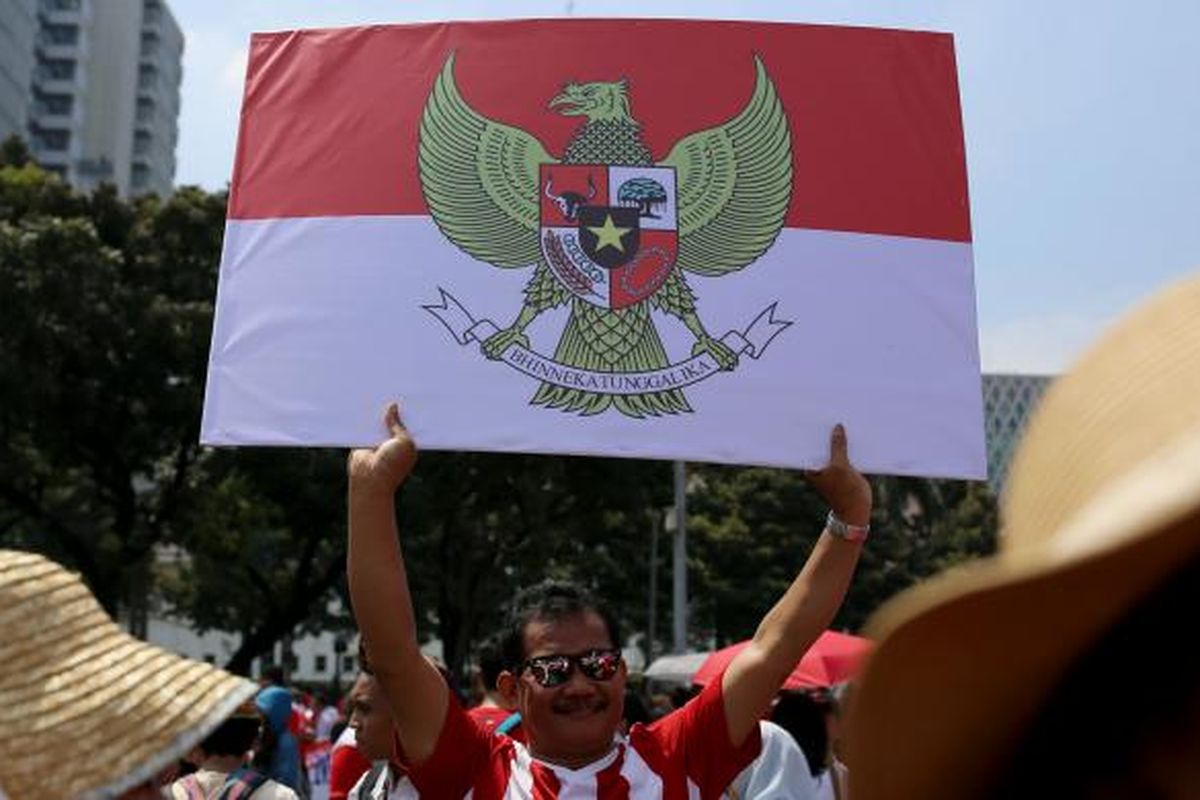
{"points": [[804, 718], [548, 601], [635, 710], [491, 662], [364, 662], [233, 737]]}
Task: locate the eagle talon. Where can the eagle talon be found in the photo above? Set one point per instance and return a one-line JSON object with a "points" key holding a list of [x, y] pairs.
{"points": [[725, 357], [494, 346]]}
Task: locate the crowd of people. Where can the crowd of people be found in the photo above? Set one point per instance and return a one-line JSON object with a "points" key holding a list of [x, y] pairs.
{"points": [[992, 681]]}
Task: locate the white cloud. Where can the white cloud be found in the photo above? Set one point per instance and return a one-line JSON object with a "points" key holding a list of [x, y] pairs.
{"points": [[1044, 345], [234, 71]]}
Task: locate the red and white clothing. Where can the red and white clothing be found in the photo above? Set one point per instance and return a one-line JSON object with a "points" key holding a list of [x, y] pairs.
{"points": [[491, 716], [385, 783], [346, 765], [686, 755]]}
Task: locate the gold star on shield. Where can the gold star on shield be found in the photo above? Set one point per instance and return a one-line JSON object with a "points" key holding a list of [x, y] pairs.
{"points": [[609, 235]]}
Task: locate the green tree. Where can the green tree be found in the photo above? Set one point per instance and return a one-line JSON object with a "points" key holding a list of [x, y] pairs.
{"points": [[750, 530], [106, 309], [476, 527], [264, 552], [14, 152]]}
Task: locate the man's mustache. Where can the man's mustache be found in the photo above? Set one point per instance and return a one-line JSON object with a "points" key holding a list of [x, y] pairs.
{"points": [[570, 705]]}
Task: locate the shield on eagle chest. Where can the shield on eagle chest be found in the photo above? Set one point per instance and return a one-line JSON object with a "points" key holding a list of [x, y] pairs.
{"points": [[609, 233]]}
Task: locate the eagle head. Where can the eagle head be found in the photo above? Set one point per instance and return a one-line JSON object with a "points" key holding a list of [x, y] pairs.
{"points": [[596, 101]]}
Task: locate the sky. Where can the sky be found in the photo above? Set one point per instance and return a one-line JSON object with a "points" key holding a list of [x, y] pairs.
{"points": [[1082, 125]]}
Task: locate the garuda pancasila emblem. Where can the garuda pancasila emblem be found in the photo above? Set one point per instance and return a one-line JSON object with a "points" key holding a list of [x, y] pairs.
{"points": [[610, 231]]}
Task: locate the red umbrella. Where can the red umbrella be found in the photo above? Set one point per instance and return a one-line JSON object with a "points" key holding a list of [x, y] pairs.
{"points": [[833, 658]]}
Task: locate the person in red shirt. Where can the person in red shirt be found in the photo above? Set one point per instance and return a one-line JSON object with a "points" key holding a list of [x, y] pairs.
{"points": [[346, 764], [566, 675], [493, 712], [351, 757], [371, 772]]}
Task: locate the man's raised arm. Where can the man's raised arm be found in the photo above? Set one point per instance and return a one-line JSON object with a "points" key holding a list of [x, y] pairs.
{"points": [[808, 606], [379, 591]]}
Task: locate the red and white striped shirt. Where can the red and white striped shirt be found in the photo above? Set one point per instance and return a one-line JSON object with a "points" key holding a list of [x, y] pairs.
{"points": [[686, 755]]}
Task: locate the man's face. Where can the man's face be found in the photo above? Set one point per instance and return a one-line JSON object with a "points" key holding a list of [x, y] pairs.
{"points": [[371, 719], [573, 723]]}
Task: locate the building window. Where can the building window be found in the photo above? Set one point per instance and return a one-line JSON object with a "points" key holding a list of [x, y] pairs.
{"points": [[55, 141], [54, 104], [61, 5], [147, 76], [145, 109], [60, 34], [150, 43], [347, 663], [57, 69], [320, 663], [59, 103], [101, 168]]}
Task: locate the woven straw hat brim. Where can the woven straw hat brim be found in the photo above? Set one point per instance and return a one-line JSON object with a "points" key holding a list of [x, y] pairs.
{"points": [[1103, 505], [86, 710], [964, 663]]}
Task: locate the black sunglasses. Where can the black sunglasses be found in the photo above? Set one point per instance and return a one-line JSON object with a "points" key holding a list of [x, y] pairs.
{"points": [[555, 670]]}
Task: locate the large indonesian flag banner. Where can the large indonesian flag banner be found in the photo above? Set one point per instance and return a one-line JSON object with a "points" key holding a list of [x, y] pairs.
{"points": [[677, 239]]}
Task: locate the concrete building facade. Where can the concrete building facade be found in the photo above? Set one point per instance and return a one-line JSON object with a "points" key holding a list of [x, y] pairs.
{"points": [[18, 29], [103, 92], [1008, 402]]}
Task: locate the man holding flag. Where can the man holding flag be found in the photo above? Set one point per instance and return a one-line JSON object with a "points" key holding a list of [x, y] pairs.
{"points": [[571, 679]]}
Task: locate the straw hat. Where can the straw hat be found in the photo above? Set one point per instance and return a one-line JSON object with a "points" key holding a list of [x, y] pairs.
{"points": [[1102, 505], [87, 711]]}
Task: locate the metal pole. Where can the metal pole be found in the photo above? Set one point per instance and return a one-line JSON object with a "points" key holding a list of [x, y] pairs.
{"points": [[679, 595], [652, 633]]}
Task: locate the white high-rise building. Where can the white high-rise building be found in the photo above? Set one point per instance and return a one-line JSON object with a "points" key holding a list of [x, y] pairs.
{"points": [[18, 28], [156, 112], [103, 98]]}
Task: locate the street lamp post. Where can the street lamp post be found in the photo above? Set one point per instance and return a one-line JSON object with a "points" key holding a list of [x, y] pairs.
{"points": [[679, 566], [652, 633]]}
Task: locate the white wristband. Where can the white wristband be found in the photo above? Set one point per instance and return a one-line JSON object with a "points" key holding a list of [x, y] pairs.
{"points": [[846, 531]]}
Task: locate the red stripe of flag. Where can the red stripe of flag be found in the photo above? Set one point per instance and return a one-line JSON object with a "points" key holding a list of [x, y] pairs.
{"points": [[330, 117]]}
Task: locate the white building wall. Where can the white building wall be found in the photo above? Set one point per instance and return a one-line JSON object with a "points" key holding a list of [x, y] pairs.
{"points": [[18, 29], [156, 118], [313, 655], [60, 84], [103, 100], [106, 126]]}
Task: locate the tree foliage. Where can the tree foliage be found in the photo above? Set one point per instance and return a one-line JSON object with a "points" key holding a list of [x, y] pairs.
{"points": [[476, 527], [106, 306], [107, 317], [750, 530], [107, 309]]}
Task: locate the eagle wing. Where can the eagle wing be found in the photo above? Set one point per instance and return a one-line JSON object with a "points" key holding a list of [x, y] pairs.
{"points": [[480, 178], [734, 184]]}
